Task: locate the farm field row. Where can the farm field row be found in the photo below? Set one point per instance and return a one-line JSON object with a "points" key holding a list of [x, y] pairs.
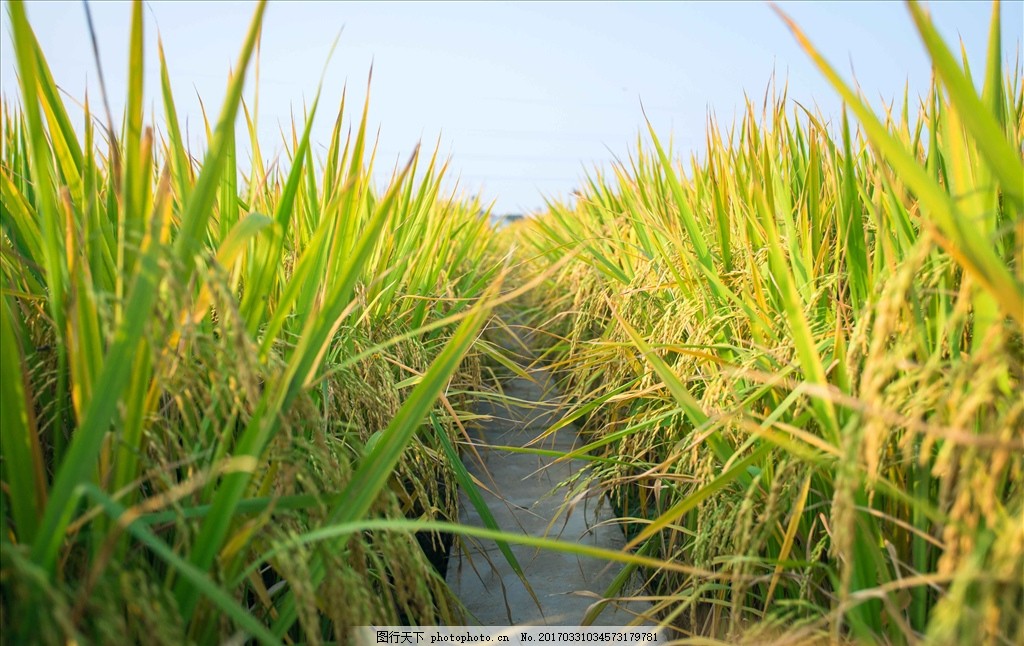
{"points": [[238, 402]]}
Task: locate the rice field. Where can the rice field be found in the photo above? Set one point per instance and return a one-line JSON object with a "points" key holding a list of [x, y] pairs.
{"points": [[235, 399]]}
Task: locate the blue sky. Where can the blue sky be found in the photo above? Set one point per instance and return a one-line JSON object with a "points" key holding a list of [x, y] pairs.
{"points": [[525, 97]]}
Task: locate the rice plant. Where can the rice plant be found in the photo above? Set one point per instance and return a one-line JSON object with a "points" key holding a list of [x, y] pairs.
{"points": [[205, 364], [233, 396], [803, 356]]}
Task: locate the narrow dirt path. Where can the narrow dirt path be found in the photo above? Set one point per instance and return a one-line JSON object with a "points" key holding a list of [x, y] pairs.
{"points": [[524, 498]]}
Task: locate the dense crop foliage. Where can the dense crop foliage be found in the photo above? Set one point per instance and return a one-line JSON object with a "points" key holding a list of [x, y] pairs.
{"points": [[205, 366], [803, 355], [232, 394]]}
